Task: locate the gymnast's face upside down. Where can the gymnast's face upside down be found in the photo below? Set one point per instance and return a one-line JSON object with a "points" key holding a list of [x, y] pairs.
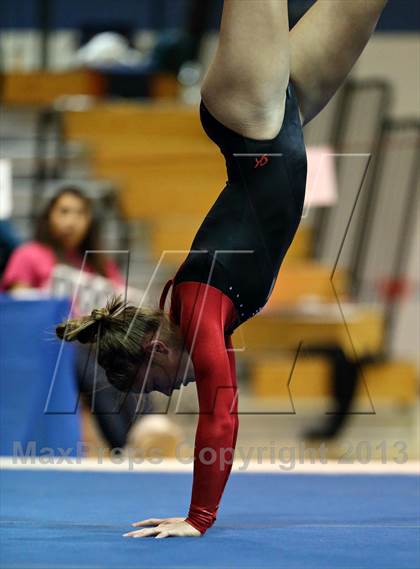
{"points": [[166, 368], [139, 348]]}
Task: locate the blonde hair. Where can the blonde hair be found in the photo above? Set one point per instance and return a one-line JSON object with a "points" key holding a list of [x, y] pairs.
{"points": [[120, 331]]}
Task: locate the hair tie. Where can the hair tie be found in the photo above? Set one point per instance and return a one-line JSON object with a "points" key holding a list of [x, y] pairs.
{"points": [[99, 313]]}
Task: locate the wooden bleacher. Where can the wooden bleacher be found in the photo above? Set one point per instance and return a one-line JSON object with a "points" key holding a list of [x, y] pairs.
{"points": [[309, 378], [158, 156], [44, 87]]}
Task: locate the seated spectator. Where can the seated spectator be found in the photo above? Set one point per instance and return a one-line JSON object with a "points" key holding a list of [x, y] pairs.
{"points": [[65, 230]]}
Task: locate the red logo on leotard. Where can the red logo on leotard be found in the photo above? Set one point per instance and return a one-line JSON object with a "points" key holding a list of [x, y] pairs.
{"points": [[260, 162]]}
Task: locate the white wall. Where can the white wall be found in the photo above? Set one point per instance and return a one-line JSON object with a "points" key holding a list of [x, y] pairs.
{"points": [[396, 57]]}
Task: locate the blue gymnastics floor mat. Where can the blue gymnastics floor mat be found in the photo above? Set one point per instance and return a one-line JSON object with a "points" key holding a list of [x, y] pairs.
{"points": [[67, 519]]}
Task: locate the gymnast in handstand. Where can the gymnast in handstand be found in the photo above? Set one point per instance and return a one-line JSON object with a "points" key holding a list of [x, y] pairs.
{"points": [[264, 85]]}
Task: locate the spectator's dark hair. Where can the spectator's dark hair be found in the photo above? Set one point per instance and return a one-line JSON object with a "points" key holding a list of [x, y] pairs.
{"points": [[120, 331], [91, 241]]}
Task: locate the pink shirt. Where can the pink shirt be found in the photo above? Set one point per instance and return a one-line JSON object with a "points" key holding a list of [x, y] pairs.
{"points": [[32, 264]]}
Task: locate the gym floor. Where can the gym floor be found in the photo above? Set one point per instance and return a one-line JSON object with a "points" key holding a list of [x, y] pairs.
{"points": [[69, 516]]}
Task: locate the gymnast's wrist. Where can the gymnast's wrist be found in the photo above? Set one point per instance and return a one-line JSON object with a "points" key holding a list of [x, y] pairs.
{"points": [[200, 518], [196, 526]]}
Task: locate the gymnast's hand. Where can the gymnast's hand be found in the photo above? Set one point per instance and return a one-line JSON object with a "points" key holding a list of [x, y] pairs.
{"points": [[164, 527]]}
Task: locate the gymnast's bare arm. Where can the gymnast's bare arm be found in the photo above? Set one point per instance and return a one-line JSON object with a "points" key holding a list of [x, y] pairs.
{"points": [[324, 46]]}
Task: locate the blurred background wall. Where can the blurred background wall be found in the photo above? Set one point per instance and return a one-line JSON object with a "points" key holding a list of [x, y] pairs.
{"points": [[394, 54]]}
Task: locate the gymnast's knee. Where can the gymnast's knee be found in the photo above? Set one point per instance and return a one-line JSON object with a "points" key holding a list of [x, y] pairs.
{"points": [[249, 113]]}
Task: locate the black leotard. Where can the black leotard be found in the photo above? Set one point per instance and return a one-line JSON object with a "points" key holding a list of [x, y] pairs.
{"points": [[259, 211]]}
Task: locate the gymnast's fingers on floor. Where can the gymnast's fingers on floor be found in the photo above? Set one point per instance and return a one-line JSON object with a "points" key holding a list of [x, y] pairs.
{"points": [[162, 534], [173, 529], [148, 522], [157, 522], [146, 532]]}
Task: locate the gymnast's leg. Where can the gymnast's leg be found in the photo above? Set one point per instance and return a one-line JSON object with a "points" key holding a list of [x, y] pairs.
{"points": [[324, 46], [245, 87]]}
